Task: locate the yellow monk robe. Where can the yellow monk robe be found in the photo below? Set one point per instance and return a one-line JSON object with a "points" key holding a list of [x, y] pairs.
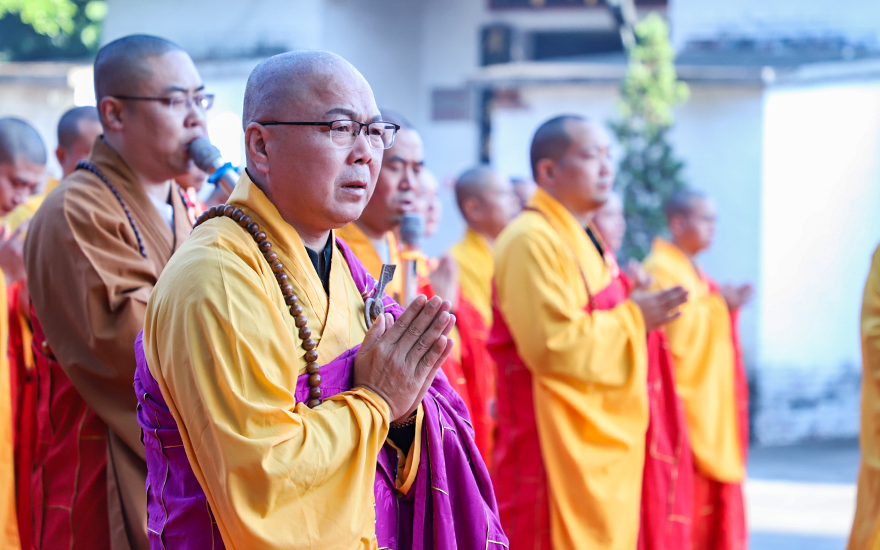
{"points": [[704, 361], [276, 473], [589, 375], [475, 267], [9, 537], [866, 526], [366, 252], [8, 522]]}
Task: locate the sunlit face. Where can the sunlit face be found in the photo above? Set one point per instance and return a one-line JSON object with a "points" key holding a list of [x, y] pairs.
{"points": [[695, 231], [18, 180], [314, 183], [611, 223], [155, 133], [87, 132], [582, 178], [398, 184]]}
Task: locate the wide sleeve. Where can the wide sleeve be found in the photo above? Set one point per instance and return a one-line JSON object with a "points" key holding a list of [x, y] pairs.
{"points": [[276, 473], [541, 297], [90, 287]]}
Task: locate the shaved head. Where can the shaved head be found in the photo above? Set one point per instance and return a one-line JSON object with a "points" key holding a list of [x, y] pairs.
{"points": [[121, 66], [316, 183], [70, 127], [20, 140], [282, 81], [474, 183], [681, 203], [552, 140], [486, 200]]}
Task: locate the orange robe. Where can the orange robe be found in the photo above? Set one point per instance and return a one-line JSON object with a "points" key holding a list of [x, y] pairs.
{"points": [[710, 378], [9, 537], [572, 388], [474, 313], [866, 525]]}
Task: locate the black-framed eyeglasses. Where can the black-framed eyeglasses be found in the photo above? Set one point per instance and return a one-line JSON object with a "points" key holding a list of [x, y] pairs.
{"points": [[177, 102], [380, 135]]}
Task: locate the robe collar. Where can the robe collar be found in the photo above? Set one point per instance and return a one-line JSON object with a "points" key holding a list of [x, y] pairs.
{"points": [[592, 263], [155, 230], [332, 312], [682, 262]]}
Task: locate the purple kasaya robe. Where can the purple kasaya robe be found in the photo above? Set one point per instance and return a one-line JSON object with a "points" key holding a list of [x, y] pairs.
{"points": [[451, 503]]}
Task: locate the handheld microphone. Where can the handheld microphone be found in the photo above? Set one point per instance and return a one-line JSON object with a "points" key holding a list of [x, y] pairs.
{"points": [[209, 160], [412, 230]]}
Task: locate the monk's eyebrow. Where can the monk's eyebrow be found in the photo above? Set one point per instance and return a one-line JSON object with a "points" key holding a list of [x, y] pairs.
{"points": [[351, 114], [171, 89]]}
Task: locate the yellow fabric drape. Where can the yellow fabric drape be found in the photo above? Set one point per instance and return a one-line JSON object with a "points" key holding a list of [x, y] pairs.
{"points": [[704, 362], [226, 354], [589, 375], [475, 268], [8, 522], [866, 526]]}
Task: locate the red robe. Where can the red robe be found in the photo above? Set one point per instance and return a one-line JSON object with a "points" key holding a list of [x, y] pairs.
{"points": [[70, 467], [24, 395], [719, 510], [667, 499]]}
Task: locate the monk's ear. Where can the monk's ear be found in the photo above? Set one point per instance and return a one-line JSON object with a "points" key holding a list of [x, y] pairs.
{"points": [[255, 143], [110, 109], [545, 170], [61, 155]]}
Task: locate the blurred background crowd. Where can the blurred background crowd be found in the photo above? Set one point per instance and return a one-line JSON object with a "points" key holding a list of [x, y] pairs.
{"points": [[771, 107]]}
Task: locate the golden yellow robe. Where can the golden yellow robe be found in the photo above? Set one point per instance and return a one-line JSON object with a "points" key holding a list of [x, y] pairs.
{"points": [[589, 375], [866, 526], [475, 268], [276, 473], [363, 248], [704, 362], [8, 521]]}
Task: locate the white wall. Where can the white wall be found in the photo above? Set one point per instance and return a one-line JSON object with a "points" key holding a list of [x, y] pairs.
{"points": [[718, 135], [819, 208], [858, 20]]}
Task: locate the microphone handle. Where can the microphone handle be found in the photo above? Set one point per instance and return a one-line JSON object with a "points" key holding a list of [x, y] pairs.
{"points": [[410, 282]]}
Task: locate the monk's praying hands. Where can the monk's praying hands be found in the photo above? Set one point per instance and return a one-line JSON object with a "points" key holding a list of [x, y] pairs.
{"points": [[398, 360], [658, 308]]}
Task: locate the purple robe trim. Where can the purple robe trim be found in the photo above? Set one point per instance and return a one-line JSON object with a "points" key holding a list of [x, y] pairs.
{"points": [[450, 505]]}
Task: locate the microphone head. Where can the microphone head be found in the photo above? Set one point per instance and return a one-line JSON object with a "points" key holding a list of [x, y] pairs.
{"points": [[204, 154], [412, 229]]}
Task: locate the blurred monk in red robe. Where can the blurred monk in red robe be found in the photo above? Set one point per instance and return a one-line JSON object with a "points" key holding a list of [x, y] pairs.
{"points": [[487, 203], [709, 372], [667, 485]]}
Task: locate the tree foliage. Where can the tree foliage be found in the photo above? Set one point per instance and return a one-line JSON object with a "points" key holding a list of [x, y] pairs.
{"points": [[649, 170], [49, 29]]}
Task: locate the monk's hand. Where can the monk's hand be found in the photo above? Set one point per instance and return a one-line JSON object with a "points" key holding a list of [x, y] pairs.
{"points": [[737, 296], [444, 279], [658, 308], [398, 361], [12, 253], [637, 274]]}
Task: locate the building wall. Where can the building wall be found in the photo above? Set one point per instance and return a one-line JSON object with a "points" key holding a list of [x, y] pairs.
{"points": [[856, 20], [820, 201]]}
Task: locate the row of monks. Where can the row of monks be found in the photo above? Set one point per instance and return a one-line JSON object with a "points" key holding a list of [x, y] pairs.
{"points": [[239, 372]]}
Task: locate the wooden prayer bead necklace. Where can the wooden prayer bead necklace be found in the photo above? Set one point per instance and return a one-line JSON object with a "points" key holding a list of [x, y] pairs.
{"points": [[296, 310], [86, 165]]}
